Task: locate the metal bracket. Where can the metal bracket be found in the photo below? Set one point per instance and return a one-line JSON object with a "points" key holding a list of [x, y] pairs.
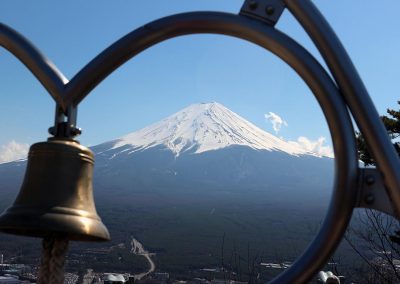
{"points": [[268, 11], [65, 123], [372, 193]]}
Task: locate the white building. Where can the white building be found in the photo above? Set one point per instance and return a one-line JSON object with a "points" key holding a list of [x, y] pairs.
{"points": [[9, 280], [109, 278]]}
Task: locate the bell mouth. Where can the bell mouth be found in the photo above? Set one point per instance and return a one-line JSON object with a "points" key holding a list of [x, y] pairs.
{"points": [[56, 196], [74, 224]]}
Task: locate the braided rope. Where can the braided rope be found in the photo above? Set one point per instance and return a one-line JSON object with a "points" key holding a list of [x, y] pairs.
{"points": [[58, 260], [52, 263], [44, 271]]}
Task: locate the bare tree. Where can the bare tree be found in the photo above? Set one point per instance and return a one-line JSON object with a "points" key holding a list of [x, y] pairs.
{"points": [[235, 268], [374, 237]]}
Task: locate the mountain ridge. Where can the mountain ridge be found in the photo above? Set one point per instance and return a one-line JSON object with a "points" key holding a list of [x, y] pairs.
{"points": [[200, 128]]}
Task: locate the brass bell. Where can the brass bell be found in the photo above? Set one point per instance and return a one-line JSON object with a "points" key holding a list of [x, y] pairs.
{"points": [[56, 196]]}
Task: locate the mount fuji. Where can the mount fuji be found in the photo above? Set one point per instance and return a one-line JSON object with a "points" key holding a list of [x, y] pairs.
{"points": [[203, 145], [204, 172], [210, 145], [204, 127]]}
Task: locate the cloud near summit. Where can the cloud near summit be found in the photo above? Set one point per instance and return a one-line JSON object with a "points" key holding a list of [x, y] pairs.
{"points": [[13, 151], [313, 146], [276, 120], [317, 146]]}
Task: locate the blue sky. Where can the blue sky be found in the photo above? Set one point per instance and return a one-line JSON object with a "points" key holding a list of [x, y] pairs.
{"points": [[182, 71]]}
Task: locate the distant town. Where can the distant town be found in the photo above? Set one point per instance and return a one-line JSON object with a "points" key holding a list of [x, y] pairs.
{"points": [[18, 273]]}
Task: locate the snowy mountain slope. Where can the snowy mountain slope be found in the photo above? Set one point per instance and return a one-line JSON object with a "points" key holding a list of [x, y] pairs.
{"points": [[203, 146], [232, 156], [200, 128]]}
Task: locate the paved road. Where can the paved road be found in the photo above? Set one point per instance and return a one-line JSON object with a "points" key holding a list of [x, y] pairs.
{"points": [[138, 249]]}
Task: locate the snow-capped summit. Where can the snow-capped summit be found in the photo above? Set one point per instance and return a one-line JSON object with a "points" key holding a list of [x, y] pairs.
{"points": [[204, 127]]}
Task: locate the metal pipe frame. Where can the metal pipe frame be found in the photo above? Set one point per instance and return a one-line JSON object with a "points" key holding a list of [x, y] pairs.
{"points": [[333, 96], [44, 70], [354, 92]]}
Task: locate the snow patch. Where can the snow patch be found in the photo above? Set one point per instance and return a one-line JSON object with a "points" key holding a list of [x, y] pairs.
{"points": [[205, 127]]}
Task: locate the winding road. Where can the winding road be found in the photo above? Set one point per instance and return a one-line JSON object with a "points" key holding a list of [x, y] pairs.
{"points": [[138, 249]]}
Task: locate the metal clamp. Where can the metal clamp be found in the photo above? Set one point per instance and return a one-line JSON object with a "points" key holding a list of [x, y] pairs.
{"points": [[372, 192], [267, 11], [65, 123]]}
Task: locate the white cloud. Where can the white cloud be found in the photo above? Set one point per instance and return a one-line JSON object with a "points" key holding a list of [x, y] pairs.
{"points": [[317, 146], [276, 120], [13, 151]]}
